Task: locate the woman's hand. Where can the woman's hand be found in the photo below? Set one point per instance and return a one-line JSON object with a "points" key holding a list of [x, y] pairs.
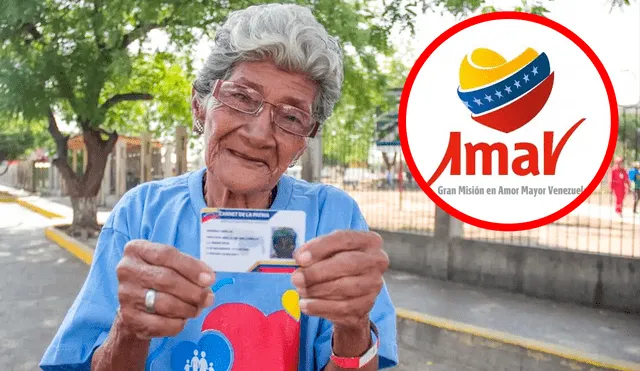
{"points": [[182, 284], [340, 277]]}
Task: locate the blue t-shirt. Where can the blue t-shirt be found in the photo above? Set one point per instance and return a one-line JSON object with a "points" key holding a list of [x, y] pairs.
{"points": [[634, 176], [249, 326]]}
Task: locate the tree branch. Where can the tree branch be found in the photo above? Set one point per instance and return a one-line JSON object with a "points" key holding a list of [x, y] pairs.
{"points": [[111, 141], [124, 97], [139, 31], [32, 30], [142, 29], [5, 169], [61, 161]]}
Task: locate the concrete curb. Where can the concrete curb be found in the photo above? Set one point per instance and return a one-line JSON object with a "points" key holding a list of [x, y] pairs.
{"points": [[526, 343], [85, 254], [38, 209], [5, 197], [75, 247]]}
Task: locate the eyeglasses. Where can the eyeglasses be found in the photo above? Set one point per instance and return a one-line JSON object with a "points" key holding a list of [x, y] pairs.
{"points": [[247, 100]]}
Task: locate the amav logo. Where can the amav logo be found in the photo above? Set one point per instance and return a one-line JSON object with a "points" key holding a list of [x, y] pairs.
{"points": [[523, 140]]}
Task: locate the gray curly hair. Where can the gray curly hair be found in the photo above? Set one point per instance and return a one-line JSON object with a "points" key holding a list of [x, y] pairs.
{"points": [[289, 35]]}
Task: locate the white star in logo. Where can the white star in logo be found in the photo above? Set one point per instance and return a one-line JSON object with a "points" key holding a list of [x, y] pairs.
{"points": [[467, 104], [498, 94], [516, 84], [534, 71], [526, 78], [507, 89], [488, 98], [477, 101]]}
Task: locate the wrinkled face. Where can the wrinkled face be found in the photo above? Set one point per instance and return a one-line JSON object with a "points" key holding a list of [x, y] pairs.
{"points": [[249, 153]]}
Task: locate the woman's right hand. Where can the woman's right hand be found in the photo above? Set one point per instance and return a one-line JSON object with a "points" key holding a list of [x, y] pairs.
{"points": [[182, 284]]}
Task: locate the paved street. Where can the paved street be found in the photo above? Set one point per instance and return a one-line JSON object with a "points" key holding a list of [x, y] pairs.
{"points": [[39, 282]]}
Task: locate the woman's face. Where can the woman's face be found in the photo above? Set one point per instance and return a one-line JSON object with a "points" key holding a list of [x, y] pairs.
{"points": [[249, 153]]}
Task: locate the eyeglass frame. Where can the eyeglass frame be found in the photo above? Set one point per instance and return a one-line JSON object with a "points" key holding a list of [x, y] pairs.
{"points": [[216, 84]]}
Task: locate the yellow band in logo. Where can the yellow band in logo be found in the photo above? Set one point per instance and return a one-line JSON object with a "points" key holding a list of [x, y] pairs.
{"points": [[485, 67]]}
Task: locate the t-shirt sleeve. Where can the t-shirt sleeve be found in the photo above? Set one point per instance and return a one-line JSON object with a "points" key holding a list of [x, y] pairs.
{"points": [[383, 314], [88, 321]]}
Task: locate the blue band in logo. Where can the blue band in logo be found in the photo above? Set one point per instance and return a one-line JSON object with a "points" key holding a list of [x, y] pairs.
{"points": [[507, 90]]}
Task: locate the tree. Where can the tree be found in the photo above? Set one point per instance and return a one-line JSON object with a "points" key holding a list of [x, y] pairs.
{"points": [[18, 138]]}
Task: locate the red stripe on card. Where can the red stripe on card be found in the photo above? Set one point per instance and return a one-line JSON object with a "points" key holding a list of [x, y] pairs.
{"points": [[276, 269]]}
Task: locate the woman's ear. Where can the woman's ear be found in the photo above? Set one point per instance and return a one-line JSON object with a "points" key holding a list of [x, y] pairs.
{"points": [[197, 112]]}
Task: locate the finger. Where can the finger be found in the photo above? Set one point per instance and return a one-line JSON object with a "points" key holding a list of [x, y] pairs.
{"points": [[147, 326], [163, 279], [338, 310], [343, 264], [343, 288], [166, 305], [321, 248], [191, 268]]}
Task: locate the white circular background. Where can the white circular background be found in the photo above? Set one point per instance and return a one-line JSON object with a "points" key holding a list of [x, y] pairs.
{"points": [[434, 110]]}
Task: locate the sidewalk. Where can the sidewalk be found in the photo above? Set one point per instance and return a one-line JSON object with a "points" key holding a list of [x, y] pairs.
{"points": [[593, 332], [60, 206]]}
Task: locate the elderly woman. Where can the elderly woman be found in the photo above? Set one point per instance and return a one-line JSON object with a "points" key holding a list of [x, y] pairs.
{"points": [[273, 76]]}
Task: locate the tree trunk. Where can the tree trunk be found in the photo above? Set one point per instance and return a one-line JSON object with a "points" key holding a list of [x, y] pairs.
{"points": [[389, 163], [83, 189], [85, 216]]}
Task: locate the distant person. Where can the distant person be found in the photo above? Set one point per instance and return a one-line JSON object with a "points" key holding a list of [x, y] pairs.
{"points": [[618, 183], [634, 178]]}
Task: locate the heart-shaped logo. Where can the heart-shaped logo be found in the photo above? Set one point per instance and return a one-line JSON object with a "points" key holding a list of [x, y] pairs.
{"points": [[258, 342], [505, 95], [213, 352]]}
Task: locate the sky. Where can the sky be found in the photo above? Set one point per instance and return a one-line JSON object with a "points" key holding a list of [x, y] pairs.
{"points": [[613, 35]]}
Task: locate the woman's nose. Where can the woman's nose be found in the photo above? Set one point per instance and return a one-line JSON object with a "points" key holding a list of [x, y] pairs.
{"points": [[260, 126]]}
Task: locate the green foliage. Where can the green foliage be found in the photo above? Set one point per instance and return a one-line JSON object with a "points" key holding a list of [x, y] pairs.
{"points": [[536, 7], [164, 77], [628, 145], [20, 136]]}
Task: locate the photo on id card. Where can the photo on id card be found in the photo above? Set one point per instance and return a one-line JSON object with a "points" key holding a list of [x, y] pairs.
{"points": [[250, 240]]}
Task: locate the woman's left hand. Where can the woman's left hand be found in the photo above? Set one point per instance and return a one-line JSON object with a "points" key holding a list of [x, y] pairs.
{"points": [[340, 276]]}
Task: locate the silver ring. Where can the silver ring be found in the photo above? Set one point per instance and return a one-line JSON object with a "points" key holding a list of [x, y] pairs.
{"points": [[150, 301]]}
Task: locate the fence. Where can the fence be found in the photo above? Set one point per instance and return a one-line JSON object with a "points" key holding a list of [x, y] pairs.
{"points": [[391, 200]]}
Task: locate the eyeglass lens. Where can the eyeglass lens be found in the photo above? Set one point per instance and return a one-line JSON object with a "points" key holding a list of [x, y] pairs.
{"points": [[248, 100]]}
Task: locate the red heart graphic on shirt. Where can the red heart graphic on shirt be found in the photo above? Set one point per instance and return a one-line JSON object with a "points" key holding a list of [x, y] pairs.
{"points": [[259, 342]]}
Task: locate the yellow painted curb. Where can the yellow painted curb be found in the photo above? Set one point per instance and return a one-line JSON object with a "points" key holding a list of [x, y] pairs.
{"points": [[7, 199], [38, 209], [75, 247], [538, 346]]}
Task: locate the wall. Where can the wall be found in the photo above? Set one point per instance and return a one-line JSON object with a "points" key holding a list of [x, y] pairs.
{"points": [[590, 279]]}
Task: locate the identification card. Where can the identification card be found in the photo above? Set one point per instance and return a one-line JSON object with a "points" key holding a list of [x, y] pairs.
{"points": [[251, 240]]}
